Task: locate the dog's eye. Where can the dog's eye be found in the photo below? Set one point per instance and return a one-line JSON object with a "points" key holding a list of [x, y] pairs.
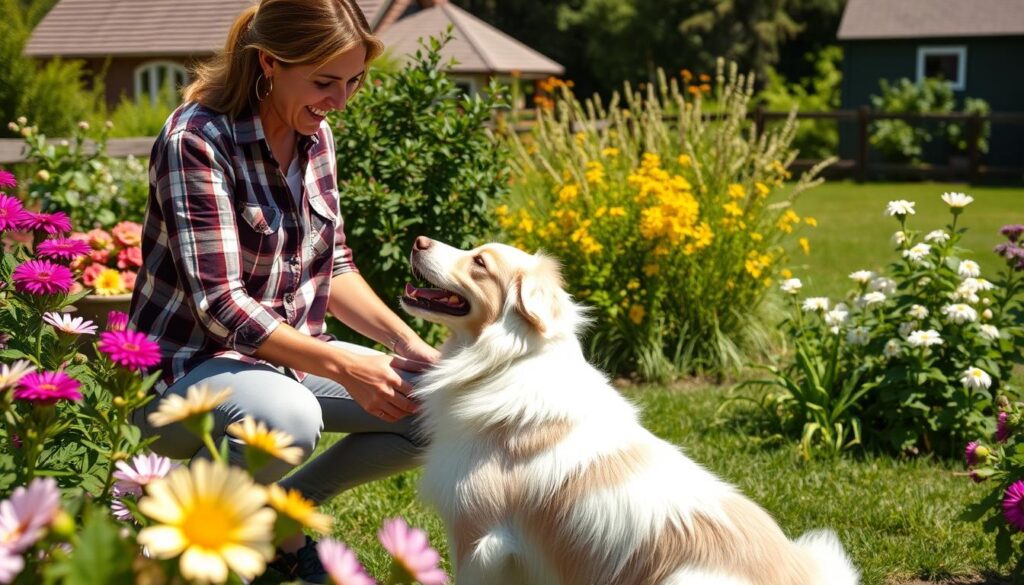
{"points": [[479, 261]]}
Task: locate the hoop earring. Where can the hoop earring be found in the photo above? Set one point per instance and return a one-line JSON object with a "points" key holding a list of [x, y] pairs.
{"points": [[270, 81]]}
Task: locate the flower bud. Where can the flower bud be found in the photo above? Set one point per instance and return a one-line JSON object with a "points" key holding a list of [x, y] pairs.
{"points": [[13, 127], [43, 175], [22, 120], [118, 401], [83, 126], [986, 314], [63, 525], [108, 124], [986, 301]]}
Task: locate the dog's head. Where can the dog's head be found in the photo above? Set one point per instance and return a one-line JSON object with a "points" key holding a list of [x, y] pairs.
{"points": [[486, 285]]}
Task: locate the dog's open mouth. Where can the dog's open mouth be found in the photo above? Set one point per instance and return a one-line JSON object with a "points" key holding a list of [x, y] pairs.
{"points": [[438, 300]]}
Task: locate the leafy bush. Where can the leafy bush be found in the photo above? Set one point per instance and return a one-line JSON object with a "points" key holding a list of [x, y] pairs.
{"points": [[910, 360], [415, 157], [142, 118], [671, 229], [898, 139], [75, 175], [814, 138]]}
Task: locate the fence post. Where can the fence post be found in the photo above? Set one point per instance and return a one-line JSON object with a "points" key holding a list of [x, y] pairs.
{"points": [[974, 145], [758, 121], [862, 143]]}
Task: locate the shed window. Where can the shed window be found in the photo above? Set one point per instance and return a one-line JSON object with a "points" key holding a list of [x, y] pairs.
{"points": [[152, 77], [948, 63]]}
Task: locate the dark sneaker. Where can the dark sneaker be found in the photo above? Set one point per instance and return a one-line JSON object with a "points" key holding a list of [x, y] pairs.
{"points": [[302, 565]]}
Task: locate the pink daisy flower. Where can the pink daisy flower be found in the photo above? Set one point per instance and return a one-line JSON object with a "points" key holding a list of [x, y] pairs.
{"points": [[142, 471], [127, 234], [129, 258], [51, 223], [969, 453], [47, 388], [1013, 507], [65, 323], [26, 514], [42, 277], [7, 180], [118, 508], [12, 214], [411, 551], [341, 564], [117, 321], [62, 248], [11, 564], [129, 349], [1003, 430]]}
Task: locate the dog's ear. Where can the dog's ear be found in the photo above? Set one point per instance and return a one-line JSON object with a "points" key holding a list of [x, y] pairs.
{"points": [[539, 295]]}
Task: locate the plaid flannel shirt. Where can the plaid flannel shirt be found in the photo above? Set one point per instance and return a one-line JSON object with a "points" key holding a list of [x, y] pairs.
{"points": [[227, 252]]}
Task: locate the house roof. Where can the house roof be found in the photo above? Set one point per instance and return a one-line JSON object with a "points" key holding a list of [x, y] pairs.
{"points": [[477, 46], [909, 19], [87, 28]]}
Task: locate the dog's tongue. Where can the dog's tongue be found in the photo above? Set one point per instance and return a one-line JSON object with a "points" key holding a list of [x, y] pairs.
{"points": [[432, 294]]}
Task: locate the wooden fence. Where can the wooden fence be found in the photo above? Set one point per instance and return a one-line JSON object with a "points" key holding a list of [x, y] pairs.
{"points": [[860, 167]]}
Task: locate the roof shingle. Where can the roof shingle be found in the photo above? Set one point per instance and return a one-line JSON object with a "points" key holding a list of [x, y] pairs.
{"points": [[905, 19]]}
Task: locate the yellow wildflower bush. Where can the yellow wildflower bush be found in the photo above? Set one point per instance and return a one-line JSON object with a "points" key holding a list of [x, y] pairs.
{"points": [[669, 220]]}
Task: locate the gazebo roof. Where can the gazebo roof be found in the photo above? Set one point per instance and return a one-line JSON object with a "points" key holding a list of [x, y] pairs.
{"points": [[477, 46], [911, 19]]}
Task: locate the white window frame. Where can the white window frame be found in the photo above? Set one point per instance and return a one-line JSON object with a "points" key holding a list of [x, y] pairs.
{"points": [[172, 69], [958, 84]]}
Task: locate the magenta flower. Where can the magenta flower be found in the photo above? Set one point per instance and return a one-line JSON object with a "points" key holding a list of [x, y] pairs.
{"points": [[62, 248], [144, 469], [11, 563], [47, 388], [12, 214], [7, 180], [65, 323], [341, 564], [1013, 510], [51, 223], [26, 514], [1003, 429], [1012, 231], [969, 453], [117, 321], [129, 349], [42, 277], [411, 552]]}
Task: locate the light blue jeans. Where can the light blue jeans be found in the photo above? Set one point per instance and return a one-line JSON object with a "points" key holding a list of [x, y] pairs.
{"points": [[372, 450]]}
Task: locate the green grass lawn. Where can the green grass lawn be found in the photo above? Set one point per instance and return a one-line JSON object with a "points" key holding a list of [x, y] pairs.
{"points": [[897, 518], [853, 233]]}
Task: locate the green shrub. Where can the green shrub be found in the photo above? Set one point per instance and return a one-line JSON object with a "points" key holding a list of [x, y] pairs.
{"points": [[142, 118], [415, 157], [668, 228]]}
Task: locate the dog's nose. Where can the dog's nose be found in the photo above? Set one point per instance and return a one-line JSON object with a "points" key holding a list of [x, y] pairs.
{"points": [[421, 243]]}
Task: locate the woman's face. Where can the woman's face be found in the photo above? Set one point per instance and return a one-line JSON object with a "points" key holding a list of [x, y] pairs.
{"points": [[304, 94]]}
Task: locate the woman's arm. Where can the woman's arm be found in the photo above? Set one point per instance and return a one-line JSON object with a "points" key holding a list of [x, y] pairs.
{"points": [[355, 304]]}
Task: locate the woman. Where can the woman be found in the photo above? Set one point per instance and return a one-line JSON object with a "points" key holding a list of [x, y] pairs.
{"points": [[244, 254]]}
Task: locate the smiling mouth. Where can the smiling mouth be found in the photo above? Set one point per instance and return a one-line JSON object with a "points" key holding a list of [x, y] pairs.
{"points": [[316, 112], [436, 300]]}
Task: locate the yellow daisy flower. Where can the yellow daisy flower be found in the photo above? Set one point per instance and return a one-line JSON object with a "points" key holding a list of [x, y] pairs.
{"points": [[213, 517], [636, 314], [198, 400], [292, 506], [256, 435], [109, 282]]}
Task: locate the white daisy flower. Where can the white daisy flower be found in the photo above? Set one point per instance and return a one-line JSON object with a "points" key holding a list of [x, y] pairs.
{"points": [[857, 336], [892, 348], [862, 276], [791, 286], [815, 304], [871, 298], [900, 207], [968, 269], [924, 338], [884, 285], [957, 200], [937, 236], [917, 253], [990, 332], [986, 314], [11, 374], [836, 317], [918, 312], [965, 295], [924, 281], [975, 379], [71, 325], [899, 238], [960, 313], [905, 329]]}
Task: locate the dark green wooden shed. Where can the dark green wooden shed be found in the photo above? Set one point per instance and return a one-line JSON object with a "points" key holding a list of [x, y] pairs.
{"points": [[978, 45]]}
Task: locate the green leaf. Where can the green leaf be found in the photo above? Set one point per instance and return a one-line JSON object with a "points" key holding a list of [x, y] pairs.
{"points": [[99, 556]]}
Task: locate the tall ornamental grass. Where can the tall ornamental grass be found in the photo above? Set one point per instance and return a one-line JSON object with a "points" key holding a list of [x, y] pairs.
{"points": [[669, 213]]}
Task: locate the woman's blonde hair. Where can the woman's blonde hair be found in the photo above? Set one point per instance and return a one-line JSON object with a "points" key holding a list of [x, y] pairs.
{"points": [[295, 32]]}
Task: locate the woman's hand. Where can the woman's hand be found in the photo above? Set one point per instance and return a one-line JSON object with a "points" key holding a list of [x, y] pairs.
{"points": [[374, 384], [418, 355]]}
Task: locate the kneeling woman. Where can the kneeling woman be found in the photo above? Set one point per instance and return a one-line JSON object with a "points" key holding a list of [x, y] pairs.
{"points": [[244, 255]]}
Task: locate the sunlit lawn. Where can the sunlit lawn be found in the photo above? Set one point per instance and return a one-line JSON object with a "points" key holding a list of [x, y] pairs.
{"points": [[896, 517]]}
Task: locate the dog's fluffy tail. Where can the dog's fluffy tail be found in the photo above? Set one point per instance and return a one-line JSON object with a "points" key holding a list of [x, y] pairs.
{"points": [[834, 566]]}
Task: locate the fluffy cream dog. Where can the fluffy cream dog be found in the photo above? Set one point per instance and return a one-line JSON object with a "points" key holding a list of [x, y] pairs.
{"points": [[542, 472]]}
